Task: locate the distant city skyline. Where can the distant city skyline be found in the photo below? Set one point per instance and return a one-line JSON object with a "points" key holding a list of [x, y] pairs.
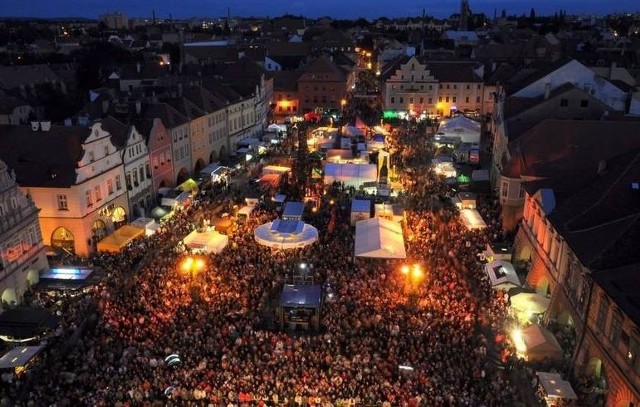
{"points": [[339, 9]]}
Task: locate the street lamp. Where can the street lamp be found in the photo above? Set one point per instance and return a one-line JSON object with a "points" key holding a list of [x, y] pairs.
{"points": [[192, 265]]}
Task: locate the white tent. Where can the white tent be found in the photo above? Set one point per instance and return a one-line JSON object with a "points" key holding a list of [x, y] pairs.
{"points": [[472, 219], [536, 343], [208, 241], [379, 238], [350, 174], [466, 129], [555, 387], [502, 275], [288, 234], [530, 303]]}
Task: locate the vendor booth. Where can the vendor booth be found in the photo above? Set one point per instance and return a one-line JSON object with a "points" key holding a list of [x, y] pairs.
{"points": [[360, 210], [120, 239], [472, 219], [379, 238], [467, 130], [285, 234], [529, 304], [502, 275], [149, 225], [553, 390], [393, 212], [536, 343], [299, 307], [210, 241]]}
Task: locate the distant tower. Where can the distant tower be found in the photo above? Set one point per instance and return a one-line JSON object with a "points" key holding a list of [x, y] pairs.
{"points": [[464, 15]]}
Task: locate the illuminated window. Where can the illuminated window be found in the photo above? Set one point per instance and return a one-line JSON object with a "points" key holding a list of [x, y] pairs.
{"points": [[62, 203]]}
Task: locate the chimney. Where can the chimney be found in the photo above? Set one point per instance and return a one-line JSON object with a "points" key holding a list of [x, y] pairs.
{"points": [[45, 126], [35, 126], [138, 67], [547, 90]]}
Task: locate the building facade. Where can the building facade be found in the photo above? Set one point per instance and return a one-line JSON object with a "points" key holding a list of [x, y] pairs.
{"points": [[22, 252]]}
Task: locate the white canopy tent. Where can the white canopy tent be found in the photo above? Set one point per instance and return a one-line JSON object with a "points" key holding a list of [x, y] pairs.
{"points": [[555, 388], [472, 219], [379, 238], [466, 129], [502, 275], [350, 174], [536, 343], [529, 303], [288, 234], [209, 241]]}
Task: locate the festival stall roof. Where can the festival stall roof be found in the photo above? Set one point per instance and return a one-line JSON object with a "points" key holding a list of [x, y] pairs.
{"points": [[555, 387], [148, 224], [285, 234], [392, 212], [209, 241], [19, 356], [379, 238], [293, 210], [472, 219], [538, 344], [119, 239], [530, 303], [26, 322], [69, 278], [350, 174], [466, 129], [502, 275], [301, 296]]}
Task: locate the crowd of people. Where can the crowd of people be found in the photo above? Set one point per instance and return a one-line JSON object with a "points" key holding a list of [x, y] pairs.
{"points": [[385, 340]]}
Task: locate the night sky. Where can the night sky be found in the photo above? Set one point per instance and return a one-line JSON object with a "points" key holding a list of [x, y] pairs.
{"points": [[346, 9]]}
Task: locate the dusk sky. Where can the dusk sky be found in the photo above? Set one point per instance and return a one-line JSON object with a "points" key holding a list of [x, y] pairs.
{"points": [[346, 9]]}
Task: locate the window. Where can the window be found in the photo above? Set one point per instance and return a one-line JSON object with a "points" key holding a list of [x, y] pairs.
{"points": [[615, 329], [564, 102], [603, 309], [62, 203], [118, 183], [110, 186], [584, 103], [504, 191], [98, 194], [87, 195]]}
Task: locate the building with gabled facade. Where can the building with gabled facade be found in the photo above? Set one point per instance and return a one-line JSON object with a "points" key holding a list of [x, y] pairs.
{"points": [[579, 236], [75, 176], [137, 168], [22, 252], [415, 88]]}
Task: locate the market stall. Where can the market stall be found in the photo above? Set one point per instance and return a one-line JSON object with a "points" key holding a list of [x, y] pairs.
{"points": [[379, 238], [553, 390], [209, 241], [120, 239]]}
